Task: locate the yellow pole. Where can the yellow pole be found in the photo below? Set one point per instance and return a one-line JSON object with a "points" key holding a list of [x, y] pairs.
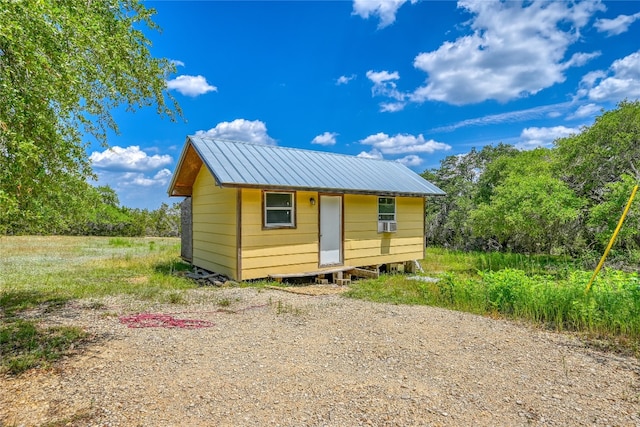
{"points": [[613, 238]]}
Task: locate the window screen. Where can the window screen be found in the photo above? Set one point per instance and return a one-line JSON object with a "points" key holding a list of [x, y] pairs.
{"points": [[386, 209]]}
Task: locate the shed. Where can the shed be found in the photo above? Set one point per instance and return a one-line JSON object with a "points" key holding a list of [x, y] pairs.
{"points": [[263, 210]]}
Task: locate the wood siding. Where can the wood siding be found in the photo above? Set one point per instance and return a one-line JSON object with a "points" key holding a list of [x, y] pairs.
{"points": [[278, 250], [365, 246], [261, 252], [214, 211]]}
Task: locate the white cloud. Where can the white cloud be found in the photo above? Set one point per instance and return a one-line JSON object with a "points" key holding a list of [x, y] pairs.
{"points": [[191, 85], [240, 130], [392, 107], [410, 160], [592, 77], [128, 159], [161, 179], [621, 81], [177, 62], [514, 51], [327, 138], [553, 110], [384, 9], [343, 80], [373, 154], [382, 77], [579, 59], [136, 189], [403, 143], [587, 110], [534, 137], [384, 84], [616, 26]]}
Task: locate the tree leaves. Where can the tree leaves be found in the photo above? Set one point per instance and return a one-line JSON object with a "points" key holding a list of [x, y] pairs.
{"points": [[568, 198], [64, 66], [602, 153], [529, 208]]}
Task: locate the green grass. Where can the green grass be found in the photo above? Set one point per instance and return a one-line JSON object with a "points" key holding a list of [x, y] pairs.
{"points": [[439, 260], [37, 270], [286, 308], [121, 242], [547, 291], [46, 272], [25, 345]]}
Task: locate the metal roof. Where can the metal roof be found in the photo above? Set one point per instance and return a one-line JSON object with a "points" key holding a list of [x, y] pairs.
{"points": [[241, 164]]}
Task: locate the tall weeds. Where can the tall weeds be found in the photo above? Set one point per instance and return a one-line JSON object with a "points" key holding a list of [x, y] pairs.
{"points": [[546, 290]]}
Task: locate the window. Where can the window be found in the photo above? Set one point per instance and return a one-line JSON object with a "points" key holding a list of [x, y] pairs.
{"points": [[386, 209], [279, 210]]}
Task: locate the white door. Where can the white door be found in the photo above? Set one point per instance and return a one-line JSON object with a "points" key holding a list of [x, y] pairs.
{"points": [[330, 230]]}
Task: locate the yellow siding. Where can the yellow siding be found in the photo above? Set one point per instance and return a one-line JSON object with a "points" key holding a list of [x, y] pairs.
{"points": [[282, 250], [214, 225], [294, 250], [365, 246]]}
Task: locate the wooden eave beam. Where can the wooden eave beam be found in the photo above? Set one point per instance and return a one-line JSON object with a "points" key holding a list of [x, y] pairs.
{"points": [[187, 172]]}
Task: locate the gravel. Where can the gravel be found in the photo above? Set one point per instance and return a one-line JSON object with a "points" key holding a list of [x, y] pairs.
{"points": [[273, 358]]}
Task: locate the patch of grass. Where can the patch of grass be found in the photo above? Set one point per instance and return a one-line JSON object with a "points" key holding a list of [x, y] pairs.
{"points": [[121, 242], [175, 297], [439, 260], [547, 291], [46, 272], [96, 305], [388, 288], [285, 308], [172, 266], [90, 268], [25, 345], [82, 415], [224, 302], [13, 301]]}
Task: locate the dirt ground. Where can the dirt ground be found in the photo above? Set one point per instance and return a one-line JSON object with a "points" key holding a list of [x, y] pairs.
{"points": [[273, 358]]}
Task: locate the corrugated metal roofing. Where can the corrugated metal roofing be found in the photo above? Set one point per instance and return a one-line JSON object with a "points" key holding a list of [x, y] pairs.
{"points": [[242, 164]]}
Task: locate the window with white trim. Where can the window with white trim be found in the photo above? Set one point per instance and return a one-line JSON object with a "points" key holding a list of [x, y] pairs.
{"points": [[279, 209], [386, 208]]}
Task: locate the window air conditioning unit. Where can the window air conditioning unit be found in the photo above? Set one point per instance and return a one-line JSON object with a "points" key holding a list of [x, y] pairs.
{"points": [[387, 227]]}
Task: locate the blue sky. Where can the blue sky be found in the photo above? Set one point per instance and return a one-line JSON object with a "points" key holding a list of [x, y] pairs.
{"points": [[411, 81]]}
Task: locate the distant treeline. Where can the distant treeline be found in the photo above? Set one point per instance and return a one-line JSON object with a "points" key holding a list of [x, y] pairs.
{"points": [[561, 200], [93, 211], [566, 199]]}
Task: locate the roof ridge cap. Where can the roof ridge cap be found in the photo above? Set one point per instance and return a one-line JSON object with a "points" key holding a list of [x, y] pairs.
{"points": [[331, 153]]}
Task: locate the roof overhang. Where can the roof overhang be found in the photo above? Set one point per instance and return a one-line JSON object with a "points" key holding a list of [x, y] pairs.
{"points": [[186, 172]]}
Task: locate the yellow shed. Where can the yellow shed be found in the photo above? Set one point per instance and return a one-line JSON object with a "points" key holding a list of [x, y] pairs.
{"points": [[262, 210]]}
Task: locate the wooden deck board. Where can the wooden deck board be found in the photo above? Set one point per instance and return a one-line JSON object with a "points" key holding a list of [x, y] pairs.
{"points": [[312, 273]]}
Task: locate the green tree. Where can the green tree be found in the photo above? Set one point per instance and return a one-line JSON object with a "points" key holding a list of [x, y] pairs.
{"points": [[600, 164], [102, 216], [64, 65], [165, 220], [108, 196], [604, 217], [528, 209], [459, 175], [601, 153]]}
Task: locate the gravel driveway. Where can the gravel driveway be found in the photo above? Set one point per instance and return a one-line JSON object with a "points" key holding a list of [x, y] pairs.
{"points": [[272, 358]]}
